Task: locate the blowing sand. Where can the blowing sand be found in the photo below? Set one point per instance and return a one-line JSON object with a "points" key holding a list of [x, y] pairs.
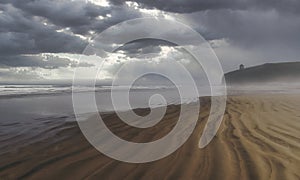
{"points": [[259, 139]]}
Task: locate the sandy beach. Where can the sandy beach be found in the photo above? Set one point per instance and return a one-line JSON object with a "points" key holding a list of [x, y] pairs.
{"points": [[259, 138]]}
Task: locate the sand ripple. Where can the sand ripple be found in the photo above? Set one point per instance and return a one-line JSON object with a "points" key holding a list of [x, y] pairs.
{"points": [[258, 139]]}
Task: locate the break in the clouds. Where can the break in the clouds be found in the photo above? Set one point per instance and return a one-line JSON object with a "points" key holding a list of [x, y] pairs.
{"points": [[40, 61], [42, 39]]}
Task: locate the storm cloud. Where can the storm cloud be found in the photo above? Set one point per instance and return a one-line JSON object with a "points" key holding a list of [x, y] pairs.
{"points": [[189, 6], [250, 32]]}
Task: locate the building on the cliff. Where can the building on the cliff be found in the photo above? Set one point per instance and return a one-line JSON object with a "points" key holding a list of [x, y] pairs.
{"points": [[242, 67]]}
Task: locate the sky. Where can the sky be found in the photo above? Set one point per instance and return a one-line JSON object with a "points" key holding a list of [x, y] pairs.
{"points": [[42, 40]]}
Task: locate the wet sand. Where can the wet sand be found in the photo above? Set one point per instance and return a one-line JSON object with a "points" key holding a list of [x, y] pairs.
{"points": [[259, 138]]}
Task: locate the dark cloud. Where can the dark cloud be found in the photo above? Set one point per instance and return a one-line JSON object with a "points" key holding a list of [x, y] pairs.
{"points": [[21, 33], [45, 26], [116, 15], [64, 13], [256, 30], [143, 46], [29, 28], [252, 37], [249, 28], [188, 6], [80, 16]]}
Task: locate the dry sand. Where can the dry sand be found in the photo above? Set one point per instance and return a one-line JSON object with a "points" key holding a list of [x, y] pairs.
{"points": [[259, 139]]}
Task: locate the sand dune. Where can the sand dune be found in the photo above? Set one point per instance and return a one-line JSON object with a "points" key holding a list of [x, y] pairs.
{"points": [[259, 139]]}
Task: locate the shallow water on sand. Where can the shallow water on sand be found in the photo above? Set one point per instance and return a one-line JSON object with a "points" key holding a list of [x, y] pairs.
{"points": [[258, 139]]}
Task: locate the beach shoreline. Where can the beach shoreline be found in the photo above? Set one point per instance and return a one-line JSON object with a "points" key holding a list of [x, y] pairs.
{"points": [[258, 139]]}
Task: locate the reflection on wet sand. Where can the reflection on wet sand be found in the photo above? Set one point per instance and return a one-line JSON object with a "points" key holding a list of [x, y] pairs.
{"points": [[258, 139]]}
